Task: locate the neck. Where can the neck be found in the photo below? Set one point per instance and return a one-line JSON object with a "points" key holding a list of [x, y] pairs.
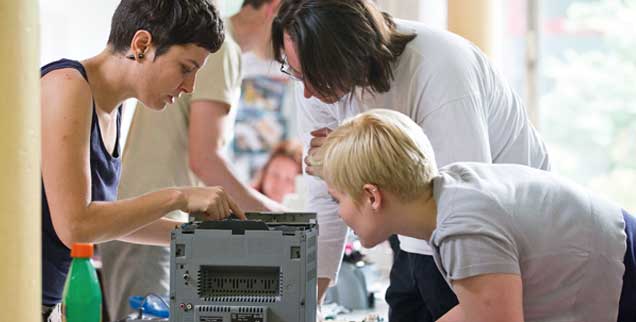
{"points": [[108, 77], [417, 218], [243, 28], [249, 30]]}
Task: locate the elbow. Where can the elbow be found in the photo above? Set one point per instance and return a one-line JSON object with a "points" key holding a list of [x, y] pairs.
{"points": [[74, 233], [66, 238], [204, 166]]}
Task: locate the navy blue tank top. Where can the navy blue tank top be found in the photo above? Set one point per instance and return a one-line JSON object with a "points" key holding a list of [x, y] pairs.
{"points": [[105, 172]]}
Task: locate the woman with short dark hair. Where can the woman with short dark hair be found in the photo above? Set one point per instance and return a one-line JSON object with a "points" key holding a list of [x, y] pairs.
{"points": [[153, 53]]}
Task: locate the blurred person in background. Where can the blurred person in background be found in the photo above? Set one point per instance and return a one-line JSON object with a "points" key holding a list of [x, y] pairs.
{"points": [[277, 177]]}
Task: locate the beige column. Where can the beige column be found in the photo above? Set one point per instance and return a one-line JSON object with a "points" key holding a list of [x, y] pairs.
{"points": [[473, 20], [20, 232]]}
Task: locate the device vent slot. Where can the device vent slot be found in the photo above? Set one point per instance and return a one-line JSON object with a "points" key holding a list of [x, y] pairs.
{"points": [[242, 299], [250, 309], [215, 309], [239, 281]]}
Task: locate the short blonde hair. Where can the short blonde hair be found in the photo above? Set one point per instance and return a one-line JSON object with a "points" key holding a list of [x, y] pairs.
{"points": [[381, 147]]}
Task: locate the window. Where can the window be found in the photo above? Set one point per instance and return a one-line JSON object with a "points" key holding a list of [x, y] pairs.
{"points": [[578, 85], [586, 93]]}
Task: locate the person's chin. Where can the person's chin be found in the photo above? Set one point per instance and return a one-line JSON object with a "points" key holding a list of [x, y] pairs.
{"points": [[155, 105], [159, 106], [367, 243]]}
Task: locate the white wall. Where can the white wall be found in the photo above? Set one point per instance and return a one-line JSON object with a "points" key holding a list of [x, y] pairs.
{"points": [[75, 29], [430, 12], [79, 29]]}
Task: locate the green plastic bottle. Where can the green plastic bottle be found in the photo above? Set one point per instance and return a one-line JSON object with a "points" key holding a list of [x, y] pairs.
{"points": [[82, 297]]}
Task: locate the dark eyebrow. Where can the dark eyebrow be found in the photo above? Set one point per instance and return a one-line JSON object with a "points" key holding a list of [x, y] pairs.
{"points": [[195, 63]]}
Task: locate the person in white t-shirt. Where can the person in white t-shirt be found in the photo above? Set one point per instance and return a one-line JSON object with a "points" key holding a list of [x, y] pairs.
{"points": [[348, 58], [515, 243], [186, 145]]}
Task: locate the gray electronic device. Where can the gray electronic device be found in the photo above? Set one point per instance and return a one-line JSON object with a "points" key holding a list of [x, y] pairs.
{"points": [[259, 270]]}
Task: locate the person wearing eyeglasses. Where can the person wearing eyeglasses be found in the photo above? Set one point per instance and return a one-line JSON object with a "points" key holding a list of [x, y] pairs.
{"points": [[349, 57], [516, 243]]}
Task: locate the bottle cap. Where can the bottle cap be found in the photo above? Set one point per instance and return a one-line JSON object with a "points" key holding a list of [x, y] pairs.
{"points": [[80, 250]]}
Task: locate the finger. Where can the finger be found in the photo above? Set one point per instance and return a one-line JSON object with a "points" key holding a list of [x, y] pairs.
{"points": [[308, 160], [323, 131], [226, 208], [236, 210], [210, 214], [223, 204], [213, 209], [312, 152], [309, 170], [313, 157], [317, 142], [219, 208]]}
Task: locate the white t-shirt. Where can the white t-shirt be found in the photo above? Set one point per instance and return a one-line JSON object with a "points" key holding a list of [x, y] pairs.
{"points": [[447, 86], [566, 244]]}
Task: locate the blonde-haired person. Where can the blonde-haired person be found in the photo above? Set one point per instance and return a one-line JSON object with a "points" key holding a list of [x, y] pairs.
{"points": [[495, 229], [348, 57]]}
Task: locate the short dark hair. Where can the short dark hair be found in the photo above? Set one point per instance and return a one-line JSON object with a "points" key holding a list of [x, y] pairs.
{"points": [[255, 3], [170, 22], [341, 44]]}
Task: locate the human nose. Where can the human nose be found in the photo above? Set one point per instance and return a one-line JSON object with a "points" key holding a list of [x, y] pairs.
{"points": [[188, 84]]}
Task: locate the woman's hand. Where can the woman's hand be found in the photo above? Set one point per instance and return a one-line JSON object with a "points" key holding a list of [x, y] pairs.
{"points": [[211, 201]]}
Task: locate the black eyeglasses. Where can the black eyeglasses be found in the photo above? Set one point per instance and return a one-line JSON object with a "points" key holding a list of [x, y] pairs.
{"points": [[289, 71]]}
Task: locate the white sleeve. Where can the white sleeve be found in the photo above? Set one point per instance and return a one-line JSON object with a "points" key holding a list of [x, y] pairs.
{"points": [[332, 230], [313, 115]]}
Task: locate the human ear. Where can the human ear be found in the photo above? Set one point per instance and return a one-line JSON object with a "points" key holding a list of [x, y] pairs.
{"points": [[373, 196], [140, 45], [272, 8]]}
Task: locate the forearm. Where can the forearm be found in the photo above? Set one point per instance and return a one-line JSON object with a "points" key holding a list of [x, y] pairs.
{"points": [[214, 171], [205, 141], [104, 221], [323, 285], [491, 297], [454, 315], [155, 234]]}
